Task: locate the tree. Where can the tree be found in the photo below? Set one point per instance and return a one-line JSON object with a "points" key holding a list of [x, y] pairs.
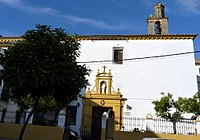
{"points": [[168, 109], [192, 105], [42, 65], [45, 104]]}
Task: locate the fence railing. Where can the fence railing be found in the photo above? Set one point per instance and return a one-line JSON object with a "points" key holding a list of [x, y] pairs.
{"points": [[163, 126], [157, 125], [133, 123], [187, 127], [17, 117], [130, 124], [13, 117]]}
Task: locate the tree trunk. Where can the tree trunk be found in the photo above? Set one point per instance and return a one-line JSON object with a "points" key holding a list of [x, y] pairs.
{"points": [[174, 127], [27, 120], [66, 127], [55, 121]]}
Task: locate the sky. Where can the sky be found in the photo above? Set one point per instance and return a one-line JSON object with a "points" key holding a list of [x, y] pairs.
{"points": [[94, 17]]}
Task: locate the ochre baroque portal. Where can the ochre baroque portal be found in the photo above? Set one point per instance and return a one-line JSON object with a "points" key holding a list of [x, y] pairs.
{"points": [[99, 99]]}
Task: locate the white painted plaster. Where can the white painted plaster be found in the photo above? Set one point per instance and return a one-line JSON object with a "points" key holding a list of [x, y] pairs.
{"points": [[142, 81], [79, 105]]}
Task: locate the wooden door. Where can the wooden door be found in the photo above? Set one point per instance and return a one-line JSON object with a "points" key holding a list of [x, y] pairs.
{"points": [[96, 121]]}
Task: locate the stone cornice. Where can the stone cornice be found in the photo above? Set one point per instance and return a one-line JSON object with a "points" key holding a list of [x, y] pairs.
{"points": [[138, 37], [157, 18], [9, 41]]}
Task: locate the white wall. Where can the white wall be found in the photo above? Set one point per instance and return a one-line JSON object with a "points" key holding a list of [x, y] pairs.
{"points": [[198, 75], [142, 81], [198, 70], [3, 103], [79, 105]]}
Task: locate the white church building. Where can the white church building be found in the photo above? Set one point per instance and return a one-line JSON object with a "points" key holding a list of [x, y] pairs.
{"points": [[141, 66]]}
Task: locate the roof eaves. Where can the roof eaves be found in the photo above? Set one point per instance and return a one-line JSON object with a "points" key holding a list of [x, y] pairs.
{"points": [[137, 37]]}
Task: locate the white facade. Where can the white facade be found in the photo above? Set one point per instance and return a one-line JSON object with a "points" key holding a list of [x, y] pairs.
{"points": [[78, 103], [152, 64], [197, 62], [142, 80]]}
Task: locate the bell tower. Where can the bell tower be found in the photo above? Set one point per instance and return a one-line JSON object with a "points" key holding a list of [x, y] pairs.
{"points": [[158, 23]]}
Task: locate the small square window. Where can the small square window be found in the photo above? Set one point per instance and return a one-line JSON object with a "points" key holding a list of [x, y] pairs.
{"points": [[118, 55]]}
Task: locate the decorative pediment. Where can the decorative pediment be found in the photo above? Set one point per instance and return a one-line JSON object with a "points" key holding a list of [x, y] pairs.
{"points": [[103, 84]]}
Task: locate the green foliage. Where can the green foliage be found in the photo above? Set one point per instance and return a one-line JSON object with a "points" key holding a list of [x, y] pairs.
{"points": [[41, 70], [40, 120], [44, 65], [192, 105], [45, 104], [169, 109]]}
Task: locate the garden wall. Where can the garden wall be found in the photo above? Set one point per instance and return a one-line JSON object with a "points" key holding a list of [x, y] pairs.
{"points": [[32, 132]]}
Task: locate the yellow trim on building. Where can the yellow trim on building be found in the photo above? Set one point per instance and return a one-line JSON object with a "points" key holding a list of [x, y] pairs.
{"points": [[103, 95], [10, 39]]}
